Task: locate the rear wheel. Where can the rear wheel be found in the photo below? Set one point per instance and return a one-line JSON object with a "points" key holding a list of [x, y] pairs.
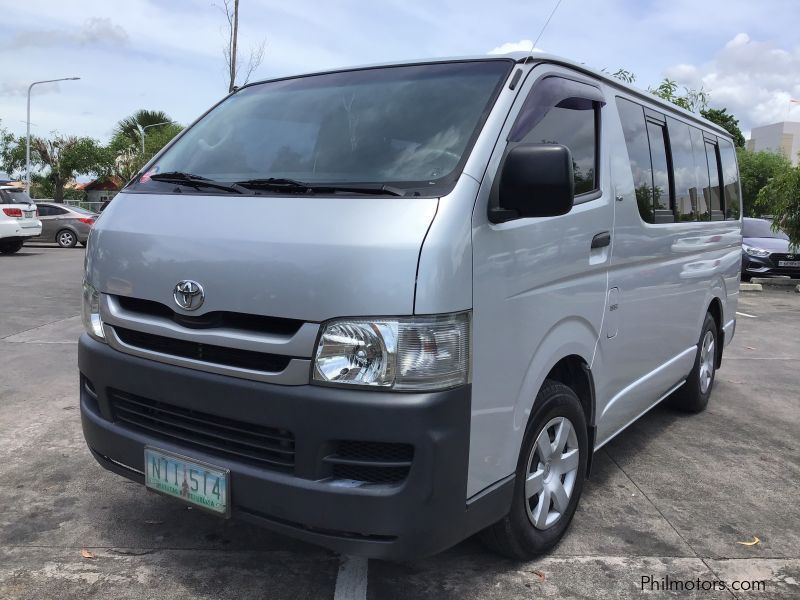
{"points": [[66, 238], [10, 247], [693, 395], [549, 479]]}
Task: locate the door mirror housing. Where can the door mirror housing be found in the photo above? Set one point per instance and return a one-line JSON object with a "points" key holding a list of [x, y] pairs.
{"points": [[537, 180]]}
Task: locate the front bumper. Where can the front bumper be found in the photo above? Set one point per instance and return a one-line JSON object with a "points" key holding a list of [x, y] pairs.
{"points": [[755, 266], [424, 514]]}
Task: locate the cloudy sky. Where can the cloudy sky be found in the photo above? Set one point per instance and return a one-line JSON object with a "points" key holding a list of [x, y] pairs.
{"points": [[166, 54]]}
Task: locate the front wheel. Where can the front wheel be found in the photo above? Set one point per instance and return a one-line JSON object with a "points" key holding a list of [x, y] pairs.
{"points": [[693, 395], [549, 480], [66, 239]]}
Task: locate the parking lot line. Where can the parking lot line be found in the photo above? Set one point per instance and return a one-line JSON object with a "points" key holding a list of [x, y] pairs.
{"points": [[746, 315], [351, 582]]}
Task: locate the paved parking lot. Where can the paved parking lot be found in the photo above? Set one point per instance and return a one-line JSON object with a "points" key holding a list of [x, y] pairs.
{"points": [[670, 497]]}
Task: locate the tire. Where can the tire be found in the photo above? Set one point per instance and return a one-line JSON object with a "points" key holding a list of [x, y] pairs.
{"points": [[527, 531], [10, 247], [693, 395], [66, 238]]}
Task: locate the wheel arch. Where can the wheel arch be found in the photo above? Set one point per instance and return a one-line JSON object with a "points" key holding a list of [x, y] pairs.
{"points": [[715, 309]]}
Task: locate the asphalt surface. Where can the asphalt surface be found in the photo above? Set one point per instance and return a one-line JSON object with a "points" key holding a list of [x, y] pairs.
{"points": [[671, 497]]}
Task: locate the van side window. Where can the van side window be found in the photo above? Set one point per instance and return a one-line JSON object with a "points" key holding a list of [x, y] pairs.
{"points": [[647, 152], [658, 155], [714, 196], [730, 180], [566, 112], [685, 172], [701, 172]]}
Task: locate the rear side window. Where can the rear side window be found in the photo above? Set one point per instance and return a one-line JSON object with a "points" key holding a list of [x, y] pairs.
{"points": [[44, 210], [658, 155], [730, 180], [566, 112], [703, 212], [15, 196], [685, 173], [714, 194]]}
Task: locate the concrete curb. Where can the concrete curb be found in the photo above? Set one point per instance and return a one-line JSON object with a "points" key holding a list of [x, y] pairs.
{"points": [[775, 281], [751, 287]]}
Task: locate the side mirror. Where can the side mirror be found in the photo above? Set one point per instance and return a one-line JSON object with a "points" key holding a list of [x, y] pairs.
{"points": [[537, 181]]}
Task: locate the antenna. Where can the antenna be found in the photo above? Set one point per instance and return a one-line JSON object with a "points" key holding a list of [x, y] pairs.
{"points": [[546, 23]]}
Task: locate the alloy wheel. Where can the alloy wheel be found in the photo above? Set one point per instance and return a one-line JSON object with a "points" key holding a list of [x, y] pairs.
{"points": [[551, 473], [707, 356]]}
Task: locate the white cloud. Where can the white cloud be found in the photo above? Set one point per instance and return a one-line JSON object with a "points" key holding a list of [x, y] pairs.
{"points": [[520, 46], [754, 80], [93, 31]]}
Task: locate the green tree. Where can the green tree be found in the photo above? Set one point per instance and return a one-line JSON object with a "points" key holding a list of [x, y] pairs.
{"points": [[62, 158], [126, 132], [756, 169], [692, 100], [727, 121], [781, 198], [125, 146]]}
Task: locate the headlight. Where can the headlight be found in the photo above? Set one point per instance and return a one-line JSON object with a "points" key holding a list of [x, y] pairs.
{"points": [[753, 251], [91, 312], [415, 353]]}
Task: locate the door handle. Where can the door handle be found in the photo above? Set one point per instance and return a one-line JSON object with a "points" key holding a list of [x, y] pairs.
{"points": [[601, 240]]}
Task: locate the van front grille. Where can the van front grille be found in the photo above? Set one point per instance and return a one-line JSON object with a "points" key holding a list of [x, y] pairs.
{"points": [[267, 447], [214, 319], [219, 355]]}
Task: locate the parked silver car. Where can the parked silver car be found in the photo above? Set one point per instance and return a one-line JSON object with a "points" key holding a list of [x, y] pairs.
{"points": [[64, 225]]}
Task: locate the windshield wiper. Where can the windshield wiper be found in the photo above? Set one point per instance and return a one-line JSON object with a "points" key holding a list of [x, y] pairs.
{"points": [[283, 184], [197, 181]]}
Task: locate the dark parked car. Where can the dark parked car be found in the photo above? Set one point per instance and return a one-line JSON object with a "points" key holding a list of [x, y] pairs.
{"points": [[64, 225], [766, 252]]}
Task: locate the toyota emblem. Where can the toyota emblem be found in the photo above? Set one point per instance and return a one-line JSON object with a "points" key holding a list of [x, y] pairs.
{"points": [[188, 294]]}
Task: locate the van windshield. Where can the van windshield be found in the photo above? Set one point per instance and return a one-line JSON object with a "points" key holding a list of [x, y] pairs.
{"points": [[409, 127]]}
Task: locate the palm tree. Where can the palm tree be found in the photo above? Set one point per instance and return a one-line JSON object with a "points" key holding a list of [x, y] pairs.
{"points": [[127, 129]]}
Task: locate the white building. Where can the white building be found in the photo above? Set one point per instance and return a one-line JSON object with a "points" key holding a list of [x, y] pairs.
{"points": [[781, 137]]}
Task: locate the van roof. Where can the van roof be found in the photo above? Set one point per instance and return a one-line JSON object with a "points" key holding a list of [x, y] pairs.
{"points": [[531, 57]]}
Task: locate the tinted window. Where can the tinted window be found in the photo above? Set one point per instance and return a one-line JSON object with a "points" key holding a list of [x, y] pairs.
{"points": [[658, 157], [554, 114], [14, 196], [44, 210], [701, 173], [57, 210], [635, 129], [730, 180], [684, 170], [409, 126], [714, 197], [647, 153], [761, 228]]}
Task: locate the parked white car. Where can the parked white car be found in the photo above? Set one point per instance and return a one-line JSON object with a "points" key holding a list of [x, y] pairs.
{"points": [[19, 219]]}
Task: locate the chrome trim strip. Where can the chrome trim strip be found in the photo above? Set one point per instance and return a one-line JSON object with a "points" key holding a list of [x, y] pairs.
{"points": [[300, 344], [296, 372]]}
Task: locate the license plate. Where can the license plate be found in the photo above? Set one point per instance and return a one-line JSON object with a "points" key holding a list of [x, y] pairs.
{"points": [[28, 214], [187, 479], [789, 263]]}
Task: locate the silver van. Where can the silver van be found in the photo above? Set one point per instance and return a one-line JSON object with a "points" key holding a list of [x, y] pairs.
{"points": [[385, 308]]}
